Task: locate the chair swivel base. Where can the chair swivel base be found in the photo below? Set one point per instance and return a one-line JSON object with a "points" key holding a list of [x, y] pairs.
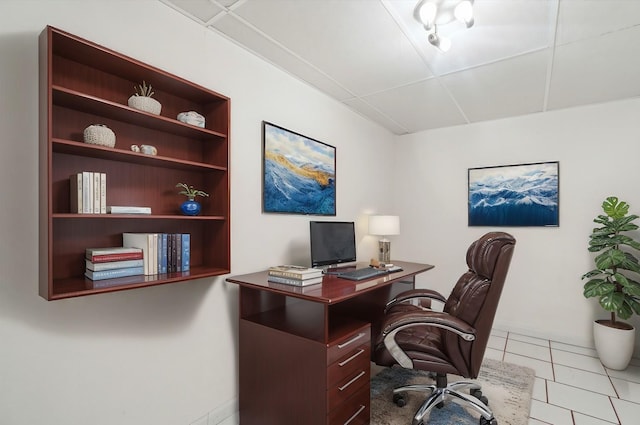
{"points": [[450, 392]]}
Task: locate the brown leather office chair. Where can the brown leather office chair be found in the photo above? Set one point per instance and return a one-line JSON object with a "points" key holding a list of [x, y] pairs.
{"points": [[454, 340]]}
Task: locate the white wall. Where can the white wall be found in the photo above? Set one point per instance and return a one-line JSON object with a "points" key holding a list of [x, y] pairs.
{"points": [[167, 355], [599, 152], [163, 355]]}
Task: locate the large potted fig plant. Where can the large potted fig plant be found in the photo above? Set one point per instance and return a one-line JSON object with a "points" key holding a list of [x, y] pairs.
{"points": [[612, 282]]}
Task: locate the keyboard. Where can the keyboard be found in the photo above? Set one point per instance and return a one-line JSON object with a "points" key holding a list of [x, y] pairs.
{"points": [[361, 274]]}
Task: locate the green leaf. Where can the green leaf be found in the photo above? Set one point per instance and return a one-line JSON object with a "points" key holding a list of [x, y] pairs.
{"points": [[613, 301], [590, 274], [610, 258], [632, 288], [629, 263], [615, 209], [598, 288]]}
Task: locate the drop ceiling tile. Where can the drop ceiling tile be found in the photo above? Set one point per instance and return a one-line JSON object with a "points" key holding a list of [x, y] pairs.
{"points": [[579, 20], [597, 70], [203, 10], [418, 106], [272, 52], [507, 88], [356, 42], [367, 110]]}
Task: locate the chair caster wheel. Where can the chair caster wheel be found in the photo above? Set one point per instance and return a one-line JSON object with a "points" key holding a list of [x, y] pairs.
{"points": [[399, 400], [478, 394], [440, 405], [484, 421]]}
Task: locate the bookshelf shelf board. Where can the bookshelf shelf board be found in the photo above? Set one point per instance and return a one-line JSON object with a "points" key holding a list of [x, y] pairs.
{"points": [[81, 286], [95, 151], [81, 102], [73, 216]]}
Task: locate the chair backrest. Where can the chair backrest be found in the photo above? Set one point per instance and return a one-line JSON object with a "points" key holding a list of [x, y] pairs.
{"points": [[475, 297]]}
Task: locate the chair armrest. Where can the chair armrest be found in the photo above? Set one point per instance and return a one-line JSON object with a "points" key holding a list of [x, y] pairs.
{"points": [[422, 318], [415, 294]]}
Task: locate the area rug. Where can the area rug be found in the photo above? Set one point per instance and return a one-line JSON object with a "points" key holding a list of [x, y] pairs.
{"points": [[507, 386]]}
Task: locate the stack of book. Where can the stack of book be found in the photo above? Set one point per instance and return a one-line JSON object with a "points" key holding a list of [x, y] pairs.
{"points": [[295, 275], [109, 263], [163, 252], [88, 192]]}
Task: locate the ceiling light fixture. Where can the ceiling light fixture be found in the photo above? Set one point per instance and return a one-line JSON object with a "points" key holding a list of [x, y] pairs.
{"points": [[434, 13]]}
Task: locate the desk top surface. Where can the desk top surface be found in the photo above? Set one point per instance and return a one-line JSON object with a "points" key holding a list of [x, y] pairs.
{"points": [[333, 289]]}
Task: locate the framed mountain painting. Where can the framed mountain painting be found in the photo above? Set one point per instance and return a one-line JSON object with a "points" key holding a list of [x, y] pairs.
{"points": [[299, 173], [514, 195]]}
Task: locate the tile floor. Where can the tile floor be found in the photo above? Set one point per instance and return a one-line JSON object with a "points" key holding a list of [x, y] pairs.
{"points": [[572, 387]]}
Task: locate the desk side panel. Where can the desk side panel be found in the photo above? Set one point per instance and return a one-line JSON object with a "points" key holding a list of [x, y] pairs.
{"points": [[282, 377]]}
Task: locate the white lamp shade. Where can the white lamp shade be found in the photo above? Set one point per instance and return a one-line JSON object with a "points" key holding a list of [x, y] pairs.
{"points": [[384, 225]]}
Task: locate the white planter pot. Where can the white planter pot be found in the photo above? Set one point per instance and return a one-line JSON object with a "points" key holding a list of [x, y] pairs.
{"points": [[614, 346], [147, 104]]}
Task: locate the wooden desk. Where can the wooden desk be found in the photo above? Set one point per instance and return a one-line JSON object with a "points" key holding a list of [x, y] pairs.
{"points": [[304, 352]]}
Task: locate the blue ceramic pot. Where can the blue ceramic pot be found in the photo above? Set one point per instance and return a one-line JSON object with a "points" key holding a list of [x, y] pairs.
{"points": [[190, 207]]}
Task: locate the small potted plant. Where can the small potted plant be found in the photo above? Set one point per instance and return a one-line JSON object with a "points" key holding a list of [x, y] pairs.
{"points": [[143, 101], [612, 282], [190, 206]]}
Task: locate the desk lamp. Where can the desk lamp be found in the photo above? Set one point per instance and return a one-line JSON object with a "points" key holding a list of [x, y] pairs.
{"points": [[384, 225]]}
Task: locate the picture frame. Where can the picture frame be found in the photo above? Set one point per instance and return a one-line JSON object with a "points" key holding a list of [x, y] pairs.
{"points": [[514, 195], [298, 173]]}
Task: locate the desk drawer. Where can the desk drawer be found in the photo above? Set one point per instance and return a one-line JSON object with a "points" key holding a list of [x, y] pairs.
{"points": [[348, 386], [354, 411], [358, 359], [343, 347]]}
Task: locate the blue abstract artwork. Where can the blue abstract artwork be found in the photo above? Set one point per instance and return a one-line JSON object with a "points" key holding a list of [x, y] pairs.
{"points": [[514, 195], [299, 173]]}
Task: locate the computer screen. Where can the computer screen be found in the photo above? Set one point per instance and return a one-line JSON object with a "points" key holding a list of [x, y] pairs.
{"points": [[332, 242]]}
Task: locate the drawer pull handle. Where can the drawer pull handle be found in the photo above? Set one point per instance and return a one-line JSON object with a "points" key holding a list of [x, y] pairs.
{"points": [[362, 407], [355, 338], [342, 388], [342, 363]]}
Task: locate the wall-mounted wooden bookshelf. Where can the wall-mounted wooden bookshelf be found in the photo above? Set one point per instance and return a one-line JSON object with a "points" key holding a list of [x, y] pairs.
{"points": [[81, 84]]}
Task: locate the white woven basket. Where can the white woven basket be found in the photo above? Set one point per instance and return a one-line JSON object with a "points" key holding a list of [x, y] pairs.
{"points": [[99, 134], [147, 104]]}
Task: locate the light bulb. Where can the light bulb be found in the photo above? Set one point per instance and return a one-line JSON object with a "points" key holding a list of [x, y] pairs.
{"points": [[427, 15], [464, 13], [442, 43], [445, 44]]}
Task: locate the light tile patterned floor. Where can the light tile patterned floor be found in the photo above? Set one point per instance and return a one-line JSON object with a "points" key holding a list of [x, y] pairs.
{"points": [[572, 387]]}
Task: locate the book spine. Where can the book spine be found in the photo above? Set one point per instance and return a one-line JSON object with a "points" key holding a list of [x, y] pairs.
{"points": [[294, 275], [87, 193], [173, 252], [96, 193], [103, 193], [294, 282], [75, 193], [186, 252], [128, 210], [121, 256], [178, 252], [110, 274], [142, 241], [163, 252], [154, 253], [96, 267]]}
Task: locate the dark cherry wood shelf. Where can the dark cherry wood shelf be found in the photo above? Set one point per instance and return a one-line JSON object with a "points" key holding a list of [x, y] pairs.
{"points": [[81, 286], [96, 151], [74, 216], [74, 100], [83, 84]]}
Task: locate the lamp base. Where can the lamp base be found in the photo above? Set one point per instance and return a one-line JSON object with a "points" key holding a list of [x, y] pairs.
{"points": [[384, 254]]}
